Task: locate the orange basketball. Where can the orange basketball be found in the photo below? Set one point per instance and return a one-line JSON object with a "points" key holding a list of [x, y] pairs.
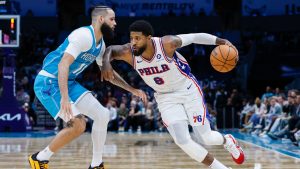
{"points": [[223, 58]]}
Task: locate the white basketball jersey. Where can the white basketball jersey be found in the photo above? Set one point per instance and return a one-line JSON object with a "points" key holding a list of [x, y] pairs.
{"points": [[162, 73]]}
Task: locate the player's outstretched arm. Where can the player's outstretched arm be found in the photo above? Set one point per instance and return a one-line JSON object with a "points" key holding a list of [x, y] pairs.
{"points": [[172, 42], [114, 52]]}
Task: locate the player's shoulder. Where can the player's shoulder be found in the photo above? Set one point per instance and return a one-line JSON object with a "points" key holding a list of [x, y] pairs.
{"points": [[169, 38], [81, 33], [127, 46], [127, 49], [171, 42], [122, 52], [122, 49], [82, 36]]}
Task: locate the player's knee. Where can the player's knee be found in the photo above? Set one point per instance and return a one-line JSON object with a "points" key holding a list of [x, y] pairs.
{"points": [[102, 115], [78, 124], [105, 115], [179, 132], [213, 138], [182, 139], [208, 142], [206, 138]]}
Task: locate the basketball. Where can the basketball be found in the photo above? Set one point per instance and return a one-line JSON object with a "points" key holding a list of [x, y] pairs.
{"points": [[223, 58]]}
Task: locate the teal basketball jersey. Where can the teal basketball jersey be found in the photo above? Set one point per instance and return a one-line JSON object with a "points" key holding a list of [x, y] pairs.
{"points": [[82, 61]]}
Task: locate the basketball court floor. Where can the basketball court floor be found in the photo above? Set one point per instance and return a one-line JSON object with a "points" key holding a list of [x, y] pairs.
{"points": [[142, 151]]}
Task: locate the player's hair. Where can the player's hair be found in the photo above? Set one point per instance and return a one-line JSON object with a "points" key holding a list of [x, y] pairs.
{"points": [[99, 10], [142, 26]]}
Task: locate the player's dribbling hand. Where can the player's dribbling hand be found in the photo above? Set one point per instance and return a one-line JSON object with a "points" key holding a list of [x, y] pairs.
{"points": [[65, 109], [107, 72], [228, 43], [141, 94]]}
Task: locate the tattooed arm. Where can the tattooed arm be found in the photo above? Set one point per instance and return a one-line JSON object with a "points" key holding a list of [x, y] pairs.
{"points": [[119, 81], [114, 52]]}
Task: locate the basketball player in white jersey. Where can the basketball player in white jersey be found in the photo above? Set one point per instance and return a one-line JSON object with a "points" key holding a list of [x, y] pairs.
{"points": [[178, 95], [56, 88]]}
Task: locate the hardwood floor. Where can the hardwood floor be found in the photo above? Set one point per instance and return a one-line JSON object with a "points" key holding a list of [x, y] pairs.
{"points": [[134, 151]]}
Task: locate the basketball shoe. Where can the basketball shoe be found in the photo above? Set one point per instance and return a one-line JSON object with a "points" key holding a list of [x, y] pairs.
{"points": [[101, 166], [234, 149], [37, 164]]}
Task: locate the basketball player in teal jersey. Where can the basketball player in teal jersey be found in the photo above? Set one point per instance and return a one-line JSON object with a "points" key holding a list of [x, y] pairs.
{"points": [[178, 95], [63, 97]]}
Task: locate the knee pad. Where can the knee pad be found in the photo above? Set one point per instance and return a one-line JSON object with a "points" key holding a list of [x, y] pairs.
{"points": [[99, 113], [207, 136], [180, 133], [213, 138], [91, 107], [181, 140], [194, 150]]}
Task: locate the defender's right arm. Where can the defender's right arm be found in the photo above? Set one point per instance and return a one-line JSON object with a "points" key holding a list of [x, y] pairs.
{"points": [[114, 52], [119, 52]]}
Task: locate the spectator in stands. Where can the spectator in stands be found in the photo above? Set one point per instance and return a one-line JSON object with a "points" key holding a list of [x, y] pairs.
{"points": [[212, 117], [280, 126], [122, 113], [236, 98], [149, 117], [268, 93], [124, 100], [246, 113], [297, 138], [220, 103], [259, 111], [278, 92], [132, 119], [32, 116], [270, 117], [113, 124], [22, 96], [294, 122]]}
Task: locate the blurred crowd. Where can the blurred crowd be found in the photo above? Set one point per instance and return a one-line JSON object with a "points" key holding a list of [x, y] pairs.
{"points": [[275, 114]]}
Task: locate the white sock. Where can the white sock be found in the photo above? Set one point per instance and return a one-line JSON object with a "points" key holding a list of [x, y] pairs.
{"points": [[98, 138], [45, 154], [217, 165], [90, 106]]}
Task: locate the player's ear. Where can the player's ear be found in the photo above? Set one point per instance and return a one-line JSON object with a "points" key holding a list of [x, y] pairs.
{"points": [[149, 37], [101, 19]]}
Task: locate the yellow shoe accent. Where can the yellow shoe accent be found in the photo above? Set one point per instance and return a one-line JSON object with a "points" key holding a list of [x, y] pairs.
{"points": [[101, 166], [36, 164]]}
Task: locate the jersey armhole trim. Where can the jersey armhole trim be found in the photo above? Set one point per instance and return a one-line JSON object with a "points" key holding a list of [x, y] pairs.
{"points": [[181, 59], [155, 51], [168, 59]]}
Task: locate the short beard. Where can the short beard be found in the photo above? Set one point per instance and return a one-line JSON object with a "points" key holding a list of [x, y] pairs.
{"points": [[107, 32], [140, 51]]}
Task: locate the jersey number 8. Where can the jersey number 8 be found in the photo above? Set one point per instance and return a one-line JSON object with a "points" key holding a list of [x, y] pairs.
{"points": [[159, 80]]}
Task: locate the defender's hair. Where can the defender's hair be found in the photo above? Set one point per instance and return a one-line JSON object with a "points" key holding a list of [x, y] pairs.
{"points": [[99, 10]]}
